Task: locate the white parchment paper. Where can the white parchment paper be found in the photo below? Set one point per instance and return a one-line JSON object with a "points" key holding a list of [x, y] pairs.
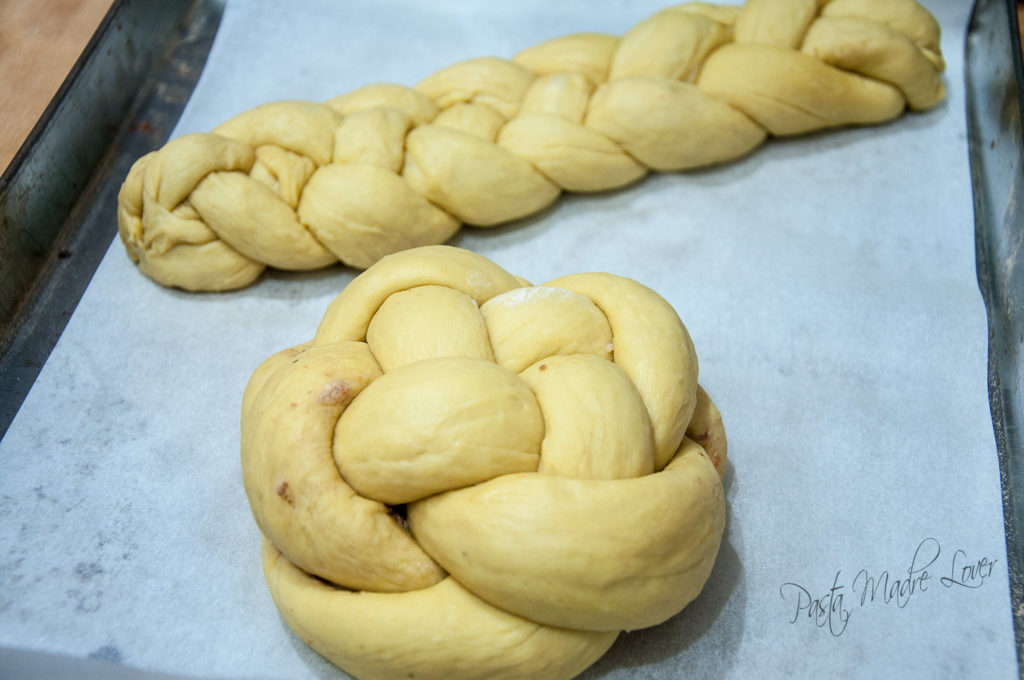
{"points": [[829, 286]]}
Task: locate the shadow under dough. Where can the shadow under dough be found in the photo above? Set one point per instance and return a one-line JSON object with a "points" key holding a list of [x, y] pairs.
{"points": [[720, 606]]}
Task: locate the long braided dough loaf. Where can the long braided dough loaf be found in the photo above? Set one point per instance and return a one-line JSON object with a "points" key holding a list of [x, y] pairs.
{"points": [[558, 465], [301, 185]]}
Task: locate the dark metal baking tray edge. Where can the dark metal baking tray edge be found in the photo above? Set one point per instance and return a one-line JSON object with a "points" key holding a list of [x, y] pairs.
{"points": [[58, 197], [993, 77]]}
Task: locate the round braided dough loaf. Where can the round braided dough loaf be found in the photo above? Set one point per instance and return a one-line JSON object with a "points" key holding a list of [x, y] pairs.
{"points": [[301, 185], [466, 476]]}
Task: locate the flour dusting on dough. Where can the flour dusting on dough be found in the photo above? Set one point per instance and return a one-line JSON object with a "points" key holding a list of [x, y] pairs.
{"points": [[476, 282], [520, 295]]}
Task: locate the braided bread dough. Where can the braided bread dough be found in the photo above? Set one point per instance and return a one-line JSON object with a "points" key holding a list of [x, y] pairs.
{"points": [[301, 185], [559, 467]]}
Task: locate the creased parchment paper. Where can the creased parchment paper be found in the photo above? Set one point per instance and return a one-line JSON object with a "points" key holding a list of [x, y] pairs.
{"points": [[829, 286]]}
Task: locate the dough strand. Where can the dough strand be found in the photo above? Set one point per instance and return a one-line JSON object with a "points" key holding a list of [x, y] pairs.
{"points": [[301, 185], [466, 476]]}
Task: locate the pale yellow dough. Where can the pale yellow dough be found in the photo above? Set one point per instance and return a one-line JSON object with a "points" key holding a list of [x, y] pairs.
{"points": [[302, 185], [557, 464]]}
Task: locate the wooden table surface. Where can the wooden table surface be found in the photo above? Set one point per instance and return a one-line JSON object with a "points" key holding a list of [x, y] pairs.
{"points": [[40, 40]]}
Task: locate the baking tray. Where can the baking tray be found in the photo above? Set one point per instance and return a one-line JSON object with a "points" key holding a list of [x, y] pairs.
{"points": [[995, 99], [157, 50], [58, 197]]}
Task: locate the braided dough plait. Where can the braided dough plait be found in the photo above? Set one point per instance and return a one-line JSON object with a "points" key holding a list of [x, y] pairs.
{"points": [[466, 476], [301, 185]]}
